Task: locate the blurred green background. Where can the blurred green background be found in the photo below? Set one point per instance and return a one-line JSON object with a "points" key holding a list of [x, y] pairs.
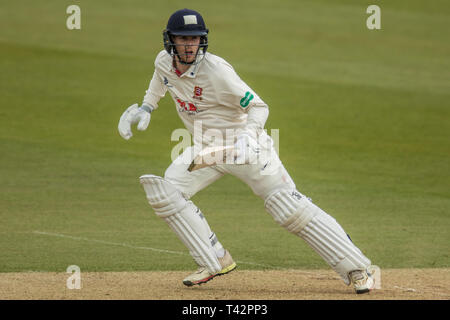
{"points": [[363, 117]]}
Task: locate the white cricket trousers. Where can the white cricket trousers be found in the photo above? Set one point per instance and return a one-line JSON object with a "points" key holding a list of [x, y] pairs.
{"points": [[270, 181], [263, 178]]}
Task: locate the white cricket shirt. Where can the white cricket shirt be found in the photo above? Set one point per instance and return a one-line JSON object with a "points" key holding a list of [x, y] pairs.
{"points": [[210, 92]]}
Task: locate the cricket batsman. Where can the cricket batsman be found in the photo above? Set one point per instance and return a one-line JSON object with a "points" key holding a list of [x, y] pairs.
{"points": [[206, 90]]}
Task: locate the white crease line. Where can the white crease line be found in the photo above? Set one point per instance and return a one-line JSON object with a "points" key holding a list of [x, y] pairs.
{"points": [[137, 247], [405, 289], [107, 242], [431, 291]]}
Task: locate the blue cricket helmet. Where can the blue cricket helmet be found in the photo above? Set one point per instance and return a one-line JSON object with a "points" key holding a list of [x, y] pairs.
{"points": [[185, 22]]}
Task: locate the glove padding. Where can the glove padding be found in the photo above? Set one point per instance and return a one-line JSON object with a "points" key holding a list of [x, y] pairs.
{"points": [[133, 115], [247, 149]]}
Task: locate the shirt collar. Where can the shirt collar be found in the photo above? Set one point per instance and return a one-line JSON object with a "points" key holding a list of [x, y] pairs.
{"points": [[191, 72]]}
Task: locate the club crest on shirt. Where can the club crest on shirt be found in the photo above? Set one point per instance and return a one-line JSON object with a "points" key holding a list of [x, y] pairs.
{"points": [[198, 93]]}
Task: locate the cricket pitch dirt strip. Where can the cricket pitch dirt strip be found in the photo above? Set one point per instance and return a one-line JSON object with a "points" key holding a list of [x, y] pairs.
{"points": [[404, 284]]}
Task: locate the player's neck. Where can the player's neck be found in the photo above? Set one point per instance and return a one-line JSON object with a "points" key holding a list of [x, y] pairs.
{"points": [[182, 68]]}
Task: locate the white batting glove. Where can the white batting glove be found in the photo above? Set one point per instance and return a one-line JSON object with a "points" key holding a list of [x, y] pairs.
{"points": [[246, 149], [134, 114]]}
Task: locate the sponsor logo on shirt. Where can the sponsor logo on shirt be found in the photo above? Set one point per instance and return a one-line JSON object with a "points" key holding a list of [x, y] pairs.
{"points": [[188, 107], [246, 99]]}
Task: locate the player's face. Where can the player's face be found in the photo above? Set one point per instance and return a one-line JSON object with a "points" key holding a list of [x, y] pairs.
{"points": [[187, 47]]}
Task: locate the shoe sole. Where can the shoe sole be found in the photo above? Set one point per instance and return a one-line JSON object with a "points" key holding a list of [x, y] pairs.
{"points": [[366, 290], [363, 291], [226, 270]]}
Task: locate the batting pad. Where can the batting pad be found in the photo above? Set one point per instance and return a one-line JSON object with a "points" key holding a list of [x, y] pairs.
{"points": [[183, 218], [300, 216]]}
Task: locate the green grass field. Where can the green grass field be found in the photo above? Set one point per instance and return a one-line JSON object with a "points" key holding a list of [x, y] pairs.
{"points": [[364, 120]]}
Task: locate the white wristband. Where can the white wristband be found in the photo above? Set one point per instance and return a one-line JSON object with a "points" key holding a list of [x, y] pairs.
{"points": [[147, 108]]}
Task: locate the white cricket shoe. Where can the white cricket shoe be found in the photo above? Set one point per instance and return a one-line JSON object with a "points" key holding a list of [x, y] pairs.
{"points": [[202, 275], [362, 281]]}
